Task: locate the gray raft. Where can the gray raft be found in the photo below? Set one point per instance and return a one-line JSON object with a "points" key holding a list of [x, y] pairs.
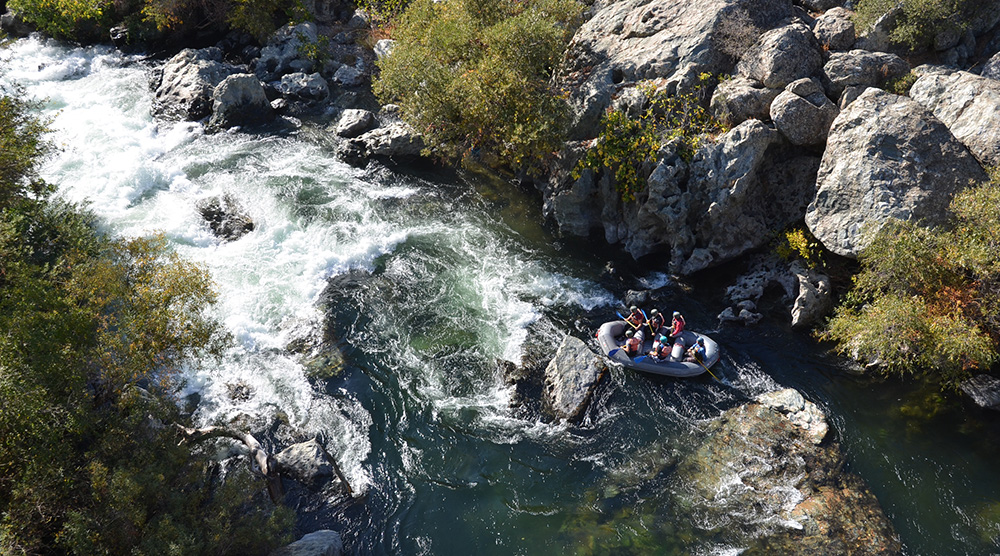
{"points": [[611, 336]]}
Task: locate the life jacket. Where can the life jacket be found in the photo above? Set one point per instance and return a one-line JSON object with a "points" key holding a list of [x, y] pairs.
{"points": [[636, 319], [697, 353], [664, 351], [632, 345], [676, 326], [656, 322]]}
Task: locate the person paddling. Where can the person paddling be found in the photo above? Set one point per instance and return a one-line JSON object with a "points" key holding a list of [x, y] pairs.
{"points": [[656, 321], [676, 325], [632, 344], [635, 317], [696, 353]]}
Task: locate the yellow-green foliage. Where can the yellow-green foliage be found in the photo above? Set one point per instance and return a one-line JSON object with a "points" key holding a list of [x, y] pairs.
{"points": [[74, 19], [383, 13], [920, 20], [927, 302], [799, 243], [88, 461], [901, 85], [473, 76], [626, 143]]}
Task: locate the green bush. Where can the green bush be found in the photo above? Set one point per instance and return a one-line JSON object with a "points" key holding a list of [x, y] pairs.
{"points": [[626, 143], [473, 76], [927, 301], [799, 243], [920, 20]]}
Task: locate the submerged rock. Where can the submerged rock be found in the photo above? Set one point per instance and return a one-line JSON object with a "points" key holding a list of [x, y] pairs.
{"points": [[984, 390], [765, 466], [571, 377], [225, 216]]}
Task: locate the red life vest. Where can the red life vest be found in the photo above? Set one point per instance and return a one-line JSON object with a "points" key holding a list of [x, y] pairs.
{"points": [[677, 326]]}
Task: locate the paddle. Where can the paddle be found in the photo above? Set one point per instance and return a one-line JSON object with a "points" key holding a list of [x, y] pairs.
{"points": [[626, 320], [706, 368], [613, 352]]}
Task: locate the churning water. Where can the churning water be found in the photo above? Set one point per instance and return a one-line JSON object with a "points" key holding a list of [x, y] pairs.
{"points": [[426, 282]]}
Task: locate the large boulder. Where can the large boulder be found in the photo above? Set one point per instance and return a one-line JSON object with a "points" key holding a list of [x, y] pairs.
{"points": [[308, 463], [968, 104], [571, 377], [354, 122], [886, 157], [739, 99], [183, 87], [860, 68], [782, 55], [317, 543], [991, 69], [743, 187], [765, 469], [803, 113], [835, 30], [240, 100], [302, 86], [635, 40], [284, 51]]}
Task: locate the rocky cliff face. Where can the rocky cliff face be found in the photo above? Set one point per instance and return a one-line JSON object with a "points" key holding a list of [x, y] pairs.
{"points": [[799, 92]]}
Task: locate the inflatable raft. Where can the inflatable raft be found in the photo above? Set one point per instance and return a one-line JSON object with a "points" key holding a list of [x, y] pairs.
{"points": [[611, 337]]}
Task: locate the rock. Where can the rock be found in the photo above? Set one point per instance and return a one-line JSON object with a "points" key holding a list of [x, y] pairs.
{"points": [[984, 390], [876, 37], [861, 68], [886, 157], [739, 99], [395, 140], [991, 69], [571, 377], [384, 47], [225, 216], [239, 100], [741, 188], [763, 272], [801, 412], [782, 55], [964, 102], [283, 52], [317, 543], [821, 5], [764, 470], [308, 463], [348, 76], [311, 87], [635, 40], [14, 24], [835, 30], [184, 86], [354, 122], [803, 114], [815, 299]]}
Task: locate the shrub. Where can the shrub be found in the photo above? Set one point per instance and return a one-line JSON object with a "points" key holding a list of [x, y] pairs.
{"points": [[625, 144], [799, 243], [473, 76], [927, 301], [919, 21], [71, 19]]}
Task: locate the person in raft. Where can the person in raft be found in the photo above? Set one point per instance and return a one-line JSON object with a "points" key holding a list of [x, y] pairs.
{"points": [[661, 348], [696, 353], [632, 344], [635, 317], [656, 322], [676, 325]]}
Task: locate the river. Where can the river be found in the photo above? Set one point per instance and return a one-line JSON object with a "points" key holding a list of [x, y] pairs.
{"points": [[426, 281]]}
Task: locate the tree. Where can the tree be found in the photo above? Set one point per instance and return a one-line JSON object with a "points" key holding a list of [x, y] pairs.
{"points": [[94, 332], [918, 22], [473, 76], [927, 301]]}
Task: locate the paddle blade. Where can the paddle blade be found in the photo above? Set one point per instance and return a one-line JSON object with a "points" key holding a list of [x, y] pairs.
{"points": [[613, 352], [640, 359]]}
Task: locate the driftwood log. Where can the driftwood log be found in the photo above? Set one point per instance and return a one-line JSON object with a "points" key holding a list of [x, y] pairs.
{"points": [[262, 461]]}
